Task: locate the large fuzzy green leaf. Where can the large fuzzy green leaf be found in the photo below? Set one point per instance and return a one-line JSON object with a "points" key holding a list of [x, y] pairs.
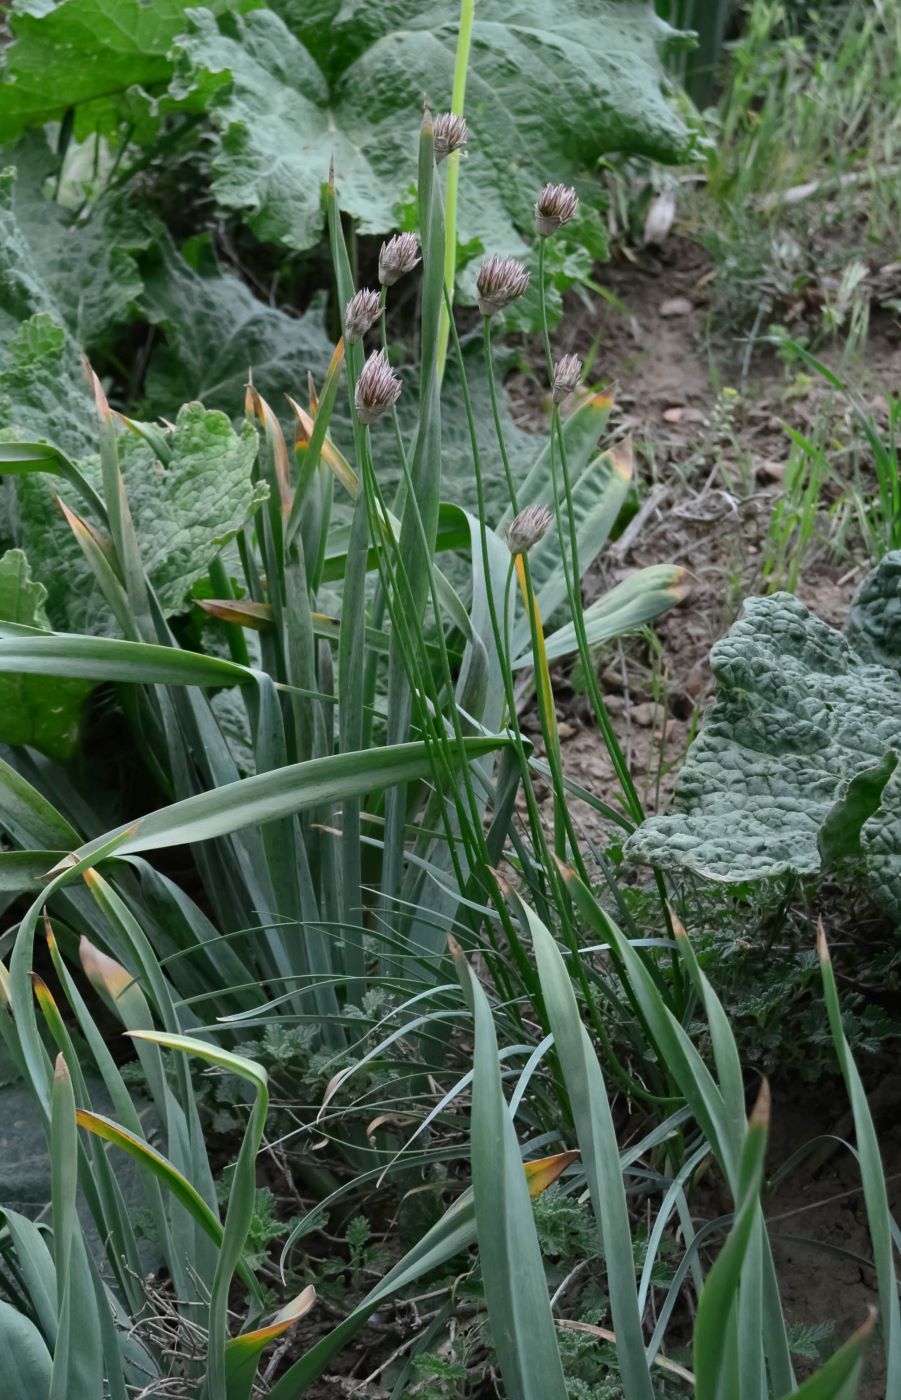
{"points": [[797, 759], [184, 512], [551, 88], [873, 626], [43, 391], [35, 710], [82, 273], [217, 332], [84, 54], [62, 289]]}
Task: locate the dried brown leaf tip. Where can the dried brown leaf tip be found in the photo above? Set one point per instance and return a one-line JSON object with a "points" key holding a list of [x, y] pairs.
{"points": [[567, 373], [500, 281], [361, 312], [530, 526], [555, 207], [397, 257], [450, 134], [378, 388], [760, 1114]]}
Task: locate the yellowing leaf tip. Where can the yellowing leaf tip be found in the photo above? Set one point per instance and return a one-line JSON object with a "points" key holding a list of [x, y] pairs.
{"points": [[760, 1113], [544, 1172], [103, 971]]}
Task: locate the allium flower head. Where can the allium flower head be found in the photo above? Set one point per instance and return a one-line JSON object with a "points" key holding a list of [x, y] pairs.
{"points": [[396, 257], [378, 388], [555, 207], [361, 312], [527, 528], [451, 132], [500, 281], [567, 373]]}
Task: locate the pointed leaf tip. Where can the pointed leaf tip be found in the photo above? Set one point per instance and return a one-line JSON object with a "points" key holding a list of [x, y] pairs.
{"points": [[102, 971], [565, 871], [760, 1113], [621, 458], [544, 1172], [679, 929]]}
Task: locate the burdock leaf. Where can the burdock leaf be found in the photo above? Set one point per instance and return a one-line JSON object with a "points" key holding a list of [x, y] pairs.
{"points": [[873, 626], [795, 760], [217, 332], [184, 513], [43, 391], [86, 55], [63, 288], [36, 710], [550, 90]]}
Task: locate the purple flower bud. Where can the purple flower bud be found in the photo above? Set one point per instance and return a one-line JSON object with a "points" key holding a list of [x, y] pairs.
{"points": [[567, 373], [500, 281], [555, 207], [530, 526], [397, 257], [451, 132], [378, 388], [361, 312]]}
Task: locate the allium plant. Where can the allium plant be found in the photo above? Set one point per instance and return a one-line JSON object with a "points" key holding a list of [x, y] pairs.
{"points": [[377, 696]]}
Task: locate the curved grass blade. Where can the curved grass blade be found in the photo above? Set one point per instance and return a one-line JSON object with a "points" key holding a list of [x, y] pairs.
{"points": [[872, 1175], [27, 1364], [451, 1235], [78, 1353], [512, 1269], [24, 458], [600, 1152], [242, 1195], [242, 1353], [268, 796], [155, 1162], [111, 659], [716, 1318], [640, 598]]}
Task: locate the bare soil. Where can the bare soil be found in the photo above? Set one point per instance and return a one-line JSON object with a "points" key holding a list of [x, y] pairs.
{"points": [[706, 493]]}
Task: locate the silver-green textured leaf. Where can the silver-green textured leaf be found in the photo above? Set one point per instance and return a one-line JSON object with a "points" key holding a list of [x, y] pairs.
{"points": [[86, 55], [217, 332], [580, 79], [184, 513], [43, 392], [798, 717], [62, 288], [873, 626], [83, 271]]}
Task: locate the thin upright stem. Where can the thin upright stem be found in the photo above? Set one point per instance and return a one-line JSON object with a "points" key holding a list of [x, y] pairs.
{"points": [[498, 427], [458, 95]]}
